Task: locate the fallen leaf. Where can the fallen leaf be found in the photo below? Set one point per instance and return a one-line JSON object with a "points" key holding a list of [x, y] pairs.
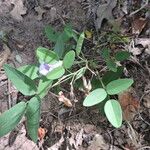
{"points": [[98, 143], [18, 10], [88, 34], [138, 25], [4, 54], [125, 7], [86, 85], [135, 51], [145, 42], [79, 138], [105, 12], [41, 133], [65, 100], [40, 12], [129, 104], [53, 13]]}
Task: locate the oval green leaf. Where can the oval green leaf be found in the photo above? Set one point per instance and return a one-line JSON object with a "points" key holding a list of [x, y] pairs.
{"points": [[95, 97], [122, 55], [111, 65], [111, 75], [117, 86], [113, 112], [10, 118], [22, 82], [59, 46], [51, 34], [44, 85], [29, 70], [80, 43], [106, 53], [45, 55], [69, 59], [56, 73], [33, 117]]}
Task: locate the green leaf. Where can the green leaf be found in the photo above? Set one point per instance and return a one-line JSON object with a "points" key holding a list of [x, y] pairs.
{"points": [[44, 85], [45, 55], [59, 46], [68, 33], [69, 59], [51, 34], [56, 73], [111, 65], [117, 86], [110, 75], [122, 55], [113, 112], [80, 43], [33, 117], [22, 82], [96, 83], [106, 53], [29, 70], [95, 97], [10, 118]]}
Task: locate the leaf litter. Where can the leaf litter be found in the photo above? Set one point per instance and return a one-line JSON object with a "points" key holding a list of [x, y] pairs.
{"points": [[18, 10], [143, 41]]}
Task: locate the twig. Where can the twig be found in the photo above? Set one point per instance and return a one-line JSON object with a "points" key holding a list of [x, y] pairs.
{"points": [[134, 12]]}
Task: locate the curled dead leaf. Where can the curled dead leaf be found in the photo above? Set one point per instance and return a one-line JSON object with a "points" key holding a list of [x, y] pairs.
{"points": [[40, 11], [138, 25], [87, 86], [65, 100], [129, 104], [18, 10], [105, 12], [41, 133]]}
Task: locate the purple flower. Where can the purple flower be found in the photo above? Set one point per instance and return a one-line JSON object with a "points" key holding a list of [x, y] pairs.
{"points": [[44, 68]]}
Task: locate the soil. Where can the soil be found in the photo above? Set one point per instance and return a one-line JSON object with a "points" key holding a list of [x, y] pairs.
{"points": [[77, 127]]}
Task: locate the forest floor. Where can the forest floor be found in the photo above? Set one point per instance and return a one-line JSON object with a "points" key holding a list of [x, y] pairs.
{"points": [[80, 128]]}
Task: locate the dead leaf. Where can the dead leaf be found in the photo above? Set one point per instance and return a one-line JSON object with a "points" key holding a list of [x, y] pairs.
{"points": [[135, 51], [40, 12], [79, 138], [41, 133], [145, 42], [86, 85], [88, 34], [65, 100], [98, 143], [138, 25], [129, 104], [4, 54], [105, 12], [53, 13], [18, 10]]}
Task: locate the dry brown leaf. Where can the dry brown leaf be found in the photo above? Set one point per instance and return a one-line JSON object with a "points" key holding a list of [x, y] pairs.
{"points": [[105, 12], [98, 143], [4, 54], [129, 104], [40, 12], [138, 25], [65, 100], [18, 10], [41, 133], [87, 86], [145, 42]]}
